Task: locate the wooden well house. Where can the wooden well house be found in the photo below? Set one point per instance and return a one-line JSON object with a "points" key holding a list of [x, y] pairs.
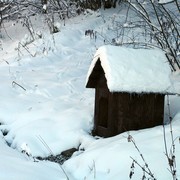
{"points": [[130, 86]]}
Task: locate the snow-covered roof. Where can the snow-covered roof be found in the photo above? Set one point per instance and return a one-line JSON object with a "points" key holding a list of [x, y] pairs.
{"points": [[134, 70]]}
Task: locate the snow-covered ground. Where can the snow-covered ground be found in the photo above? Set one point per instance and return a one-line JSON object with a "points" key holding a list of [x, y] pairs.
{"points": [[44, 102]]}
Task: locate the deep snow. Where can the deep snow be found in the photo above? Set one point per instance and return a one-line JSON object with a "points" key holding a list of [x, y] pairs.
{"points": [[44, 97]]}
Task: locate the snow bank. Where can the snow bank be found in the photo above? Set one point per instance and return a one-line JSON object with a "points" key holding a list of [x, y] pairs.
{"points": [[110, 158], [18, 166]]}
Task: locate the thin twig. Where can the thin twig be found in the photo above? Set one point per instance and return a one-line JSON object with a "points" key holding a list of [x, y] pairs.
{"points": [[131, 139], [45, 144], [15, 83], [144, 170], [51, 152], [24, 46], [171, 157]]}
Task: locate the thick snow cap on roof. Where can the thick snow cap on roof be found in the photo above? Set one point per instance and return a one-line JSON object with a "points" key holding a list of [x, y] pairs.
{"points": [[134, 70]]}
